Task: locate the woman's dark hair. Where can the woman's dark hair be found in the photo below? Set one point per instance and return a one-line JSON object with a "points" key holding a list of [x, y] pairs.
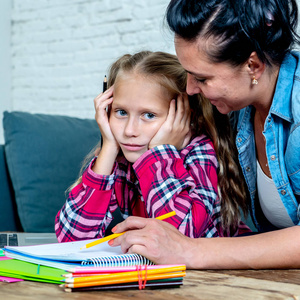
{"points": [[238, 27]]}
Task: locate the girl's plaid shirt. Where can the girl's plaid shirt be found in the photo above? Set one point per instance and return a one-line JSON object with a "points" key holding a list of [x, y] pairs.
{"points": [[162, 180]]}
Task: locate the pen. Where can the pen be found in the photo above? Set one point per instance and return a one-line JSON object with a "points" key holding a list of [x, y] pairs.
{"points": [[103, 90], [104, 84], [115, 235]]}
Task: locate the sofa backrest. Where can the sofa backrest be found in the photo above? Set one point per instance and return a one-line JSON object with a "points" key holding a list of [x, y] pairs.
{"points": [[9, 220], [44, 154]]}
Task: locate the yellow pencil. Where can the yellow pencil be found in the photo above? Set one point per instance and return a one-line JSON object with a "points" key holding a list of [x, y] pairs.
{"points": [[115, 235], [115, 276]]}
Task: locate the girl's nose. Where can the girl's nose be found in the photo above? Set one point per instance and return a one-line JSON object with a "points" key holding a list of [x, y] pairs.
{"points": [[131, 128], [191, 86]]}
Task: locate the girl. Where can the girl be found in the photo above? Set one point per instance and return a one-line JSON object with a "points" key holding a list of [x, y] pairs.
{"points": [[157, 156]]}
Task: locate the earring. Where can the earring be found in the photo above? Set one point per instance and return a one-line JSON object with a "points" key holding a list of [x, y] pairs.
{"points": [[254, 81]]}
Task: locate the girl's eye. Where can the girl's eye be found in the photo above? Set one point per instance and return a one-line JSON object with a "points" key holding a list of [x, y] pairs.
{"points": [[149, 115], [121, 112]]}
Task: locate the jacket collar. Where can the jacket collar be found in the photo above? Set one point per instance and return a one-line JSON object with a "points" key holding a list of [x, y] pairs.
{"points": [[283, 92]]}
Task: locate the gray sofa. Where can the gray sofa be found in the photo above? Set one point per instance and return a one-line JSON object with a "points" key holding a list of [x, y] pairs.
{"points": [[40, 159]]}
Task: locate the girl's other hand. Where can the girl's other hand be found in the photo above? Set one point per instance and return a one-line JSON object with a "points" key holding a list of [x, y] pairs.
{"points": [[176, 130]]}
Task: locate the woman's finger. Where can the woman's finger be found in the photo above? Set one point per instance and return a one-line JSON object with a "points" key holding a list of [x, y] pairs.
{"points": [[129, 224], [157, 240]]}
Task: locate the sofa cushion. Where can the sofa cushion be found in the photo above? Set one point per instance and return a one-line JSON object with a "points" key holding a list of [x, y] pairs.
{"points": [[44, 154]]}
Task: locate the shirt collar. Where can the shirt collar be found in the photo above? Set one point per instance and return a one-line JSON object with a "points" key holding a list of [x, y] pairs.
{"points": [[283, 92]]}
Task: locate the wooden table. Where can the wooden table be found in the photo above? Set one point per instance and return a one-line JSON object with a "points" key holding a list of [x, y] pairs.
{"points": [[246, 284]]}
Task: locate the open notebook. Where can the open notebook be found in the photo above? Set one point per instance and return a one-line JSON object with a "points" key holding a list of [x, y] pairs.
{"points": [[68, 255]]}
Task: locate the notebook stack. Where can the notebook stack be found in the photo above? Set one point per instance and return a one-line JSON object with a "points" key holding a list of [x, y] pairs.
{"points": [[100, 267]]}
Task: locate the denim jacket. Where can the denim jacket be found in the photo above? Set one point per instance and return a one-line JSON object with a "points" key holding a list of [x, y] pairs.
{"points": [[282, 134]]}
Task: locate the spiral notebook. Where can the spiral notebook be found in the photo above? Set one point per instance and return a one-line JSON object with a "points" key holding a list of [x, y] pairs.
{"points": [[68, 255]]}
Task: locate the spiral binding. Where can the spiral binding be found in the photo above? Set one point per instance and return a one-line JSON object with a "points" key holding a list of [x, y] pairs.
{"points": [[124, 260]]}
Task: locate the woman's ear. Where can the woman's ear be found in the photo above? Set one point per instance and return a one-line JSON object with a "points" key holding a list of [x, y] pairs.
{"points": [[255, 66]]}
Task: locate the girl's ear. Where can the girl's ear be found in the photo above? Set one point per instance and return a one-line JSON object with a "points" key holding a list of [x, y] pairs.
{"points": [[255, 66]]}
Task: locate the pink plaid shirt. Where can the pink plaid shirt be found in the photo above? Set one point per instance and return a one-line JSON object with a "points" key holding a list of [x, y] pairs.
{"points": [[162, 180]]}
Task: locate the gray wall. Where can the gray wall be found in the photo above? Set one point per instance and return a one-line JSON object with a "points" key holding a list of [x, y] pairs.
{"points": [[57, 52]]}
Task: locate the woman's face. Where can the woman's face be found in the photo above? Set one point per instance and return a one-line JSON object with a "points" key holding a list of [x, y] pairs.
{"points": [[139, 108], [226, 87]]}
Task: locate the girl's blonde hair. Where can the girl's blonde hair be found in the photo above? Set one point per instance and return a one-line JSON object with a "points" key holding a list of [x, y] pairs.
{"points": [[165, 69]]}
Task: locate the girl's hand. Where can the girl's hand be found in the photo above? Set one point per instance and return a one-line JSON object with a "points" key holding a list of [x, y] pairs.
{"points": [[176, 130], [101, 102]]}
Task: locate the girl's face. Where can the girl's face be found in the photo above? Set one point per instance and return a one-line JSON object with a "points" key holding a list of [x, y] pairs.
{"points": [[139, 108], [226, 87]]}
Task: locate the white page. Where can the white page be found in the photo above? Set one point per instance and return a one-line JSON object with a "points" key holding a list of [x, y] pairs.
{"points": [[69, 251]]}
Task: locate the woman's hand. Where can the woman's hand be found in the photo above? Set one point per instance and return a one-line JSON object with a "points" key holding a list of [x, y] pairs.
{"points": [[176, 130], [101, 103], [157, 240]]}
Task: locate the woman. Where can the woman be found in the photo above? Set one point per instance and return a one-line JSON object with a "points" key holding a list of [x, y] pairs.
{"points": [[238, 55]]}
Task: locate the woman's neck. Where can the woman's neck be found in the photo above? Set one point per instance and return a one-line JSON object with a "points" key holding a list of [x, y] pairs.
{"points": [[267, 85]]}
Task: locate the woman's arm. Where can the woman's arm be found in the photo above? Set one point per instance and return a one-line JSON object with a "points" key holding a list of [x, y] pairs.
{"points": [[164, 244]]}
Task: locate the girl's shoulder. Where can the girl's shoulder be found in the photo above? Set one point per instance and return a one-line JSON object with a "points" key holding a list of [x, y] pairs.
{"points": [[199, 145], [200, 150], [201, 141]]}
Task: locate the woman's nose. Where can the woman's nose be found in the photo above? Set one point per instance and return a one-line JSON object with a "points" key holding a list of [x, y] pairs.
{"points": [[191, 86]]}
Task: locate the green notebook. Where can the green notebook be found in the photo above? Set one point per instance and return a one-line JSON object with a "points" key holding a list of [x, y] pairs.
{"points": [[28, 271]]}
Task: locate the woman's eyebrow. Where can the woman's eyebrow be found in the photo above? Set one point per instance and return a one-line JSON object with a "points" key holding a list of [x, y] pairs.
{"points": [[194, 74]]}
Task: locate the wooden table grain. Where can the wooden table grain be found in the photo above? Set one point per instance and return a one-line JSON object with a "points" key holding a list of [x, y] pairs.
{"points": [[224, 284]]}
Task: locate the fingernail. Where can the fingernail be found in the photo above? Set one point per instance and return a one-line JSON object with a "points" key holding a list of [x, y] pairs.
{"points": [[110, 243], [114, 229]]}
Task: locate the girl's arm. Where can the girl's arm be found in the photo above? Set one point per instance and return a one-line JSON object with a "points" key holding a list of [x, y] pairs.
{"points": [[110, 148], [87, 211], [164, 244], [187, 187]]}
